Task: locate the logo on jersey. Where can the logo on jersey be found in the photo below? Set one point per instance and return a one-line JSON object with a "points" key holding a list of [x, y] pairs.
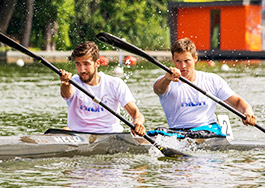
{"points": [[94, 107], [190, 103]]}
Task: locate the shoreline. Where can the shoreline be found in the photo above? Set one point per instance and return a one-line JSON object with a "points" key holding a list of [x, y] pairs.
{"points": [[12, 56], [62, 56]]}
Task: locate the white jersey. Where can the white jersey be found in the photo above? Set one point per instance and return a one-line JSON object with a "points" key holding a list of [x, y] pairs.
{"points": [[185, 107], [86, 115]]}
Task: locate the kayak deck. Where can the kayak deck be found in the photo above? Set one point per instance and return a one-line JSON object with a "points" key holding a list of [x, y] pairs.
{"points": [[65, 145], [224, 144], [62, 143]]}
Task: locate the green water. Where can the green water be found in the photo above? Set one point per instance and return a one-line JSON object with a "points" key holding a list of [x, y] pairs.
{"points": [[31, 103]]}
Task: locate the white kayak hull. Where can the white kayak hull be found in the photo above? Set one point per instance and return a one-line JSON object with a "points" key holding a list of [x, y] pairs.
{"points": [[61, 143], [223, 144], [65, 145]]}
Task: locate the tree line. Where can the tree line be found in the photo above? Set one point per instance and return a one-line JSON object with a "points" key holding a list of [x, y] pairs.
{"points": [[62, 24]]}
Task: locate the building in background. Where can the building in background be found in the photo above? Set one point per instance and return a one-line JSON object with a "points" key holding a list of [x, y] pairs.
{"points": [[218, 26]]}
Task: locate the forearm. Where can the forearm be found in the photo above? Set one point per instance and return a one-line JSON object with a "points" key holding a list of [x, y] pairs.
{"points": [[135, 113], [67, 90], [161, 86], [241, 105], [138, 117], [244, 107], [138, 121]]}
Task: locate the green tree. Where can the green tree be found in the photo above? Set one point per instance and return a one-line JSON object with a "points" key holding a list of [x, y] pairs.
{"points": [[62, 24], [51, 24], [144, 23], [65, 11], [6, 10]]}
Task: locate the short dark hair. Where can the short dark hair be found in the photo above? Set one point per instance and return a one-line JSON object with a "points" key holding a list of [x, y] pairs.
{"points": [[184, 45], [85, 48]]}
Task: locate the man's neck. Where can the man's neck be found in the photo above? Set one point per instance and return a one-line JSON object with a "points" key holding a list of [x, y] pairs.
{"points": [[192, 77], [95, 80]]}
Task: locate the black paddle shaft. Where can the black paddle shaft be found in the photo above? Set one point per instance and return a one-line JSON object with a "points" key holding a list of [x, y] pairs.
{"points": [[15, 45], [117, 42], [168, 152]]}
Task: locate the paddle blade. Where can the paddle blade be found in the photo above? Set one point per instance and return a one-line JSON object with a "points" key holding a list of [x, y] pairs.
{"points": [[119, 43], [8, 41], [170, 152]]}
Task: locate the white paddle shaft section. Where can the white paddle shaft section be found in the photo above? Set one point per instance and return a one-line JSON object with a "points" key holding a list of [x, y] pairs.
{"points": [[214, 98], [96, 99]]}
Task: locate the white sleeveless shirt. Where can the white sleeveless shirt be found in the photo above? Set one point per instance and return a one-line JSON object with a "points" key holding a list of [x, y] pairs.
{"points": [[185, 107], [86, 115]]}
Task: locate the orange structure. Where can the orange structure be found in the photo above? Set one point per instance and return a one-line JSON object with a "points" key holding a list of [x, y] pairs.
{"points": [[222, 25]]}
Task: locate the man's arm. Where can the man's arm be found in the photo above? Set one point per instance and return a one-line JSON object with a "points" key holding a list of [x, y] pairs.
{"points": [[67, 90], [241, 105], [138, 118], [162, 85]]}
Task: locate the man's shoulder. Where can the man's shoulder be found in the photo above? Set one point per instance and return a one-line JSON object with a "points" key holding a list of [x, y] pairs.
{"points": [[110, 78], [209, 75], [112, 81]]}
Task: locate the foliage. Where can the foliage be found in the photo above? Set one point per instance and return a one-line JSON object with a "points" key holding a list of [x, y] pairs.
{"points": [[48, 12], [143, 23], [45, 12], [65, 12], [16, 22]]}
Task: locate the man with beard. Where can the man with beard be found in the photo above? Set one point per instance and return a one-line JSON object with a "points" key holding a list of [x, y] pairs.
{"points": [[83, 113]]}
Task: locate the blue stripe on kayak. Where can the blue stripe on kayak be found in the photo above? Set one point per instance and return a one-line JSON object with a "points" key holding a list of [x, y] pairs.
{"points": [[215, 128], [155, 132]]}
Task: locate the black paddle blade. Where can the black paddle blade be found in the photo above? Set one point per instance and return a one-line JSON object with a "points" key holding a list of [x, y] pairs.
{"points": [[170, 152], [119, 43], [8, 41]]}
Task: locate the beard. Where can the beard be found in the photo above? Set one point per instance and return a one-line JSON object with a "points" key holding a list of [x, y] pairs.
{"points": [[88, 79]]}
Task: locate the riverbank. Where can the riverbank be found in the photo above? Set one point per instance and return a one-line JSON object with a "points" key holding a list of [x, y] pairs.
{"points": [[63, 56], [114, 56]]}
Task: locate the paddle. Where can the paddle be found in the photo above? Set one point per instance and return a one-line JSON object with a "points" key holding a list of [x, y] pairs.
{"points": [[168, 152], [117, 42]]}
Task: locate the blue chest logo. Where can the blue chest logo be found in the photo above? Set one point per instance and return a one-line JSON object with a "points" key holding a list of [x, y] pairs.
{"points": [[93, 107], [193, 103], [96, 108]]}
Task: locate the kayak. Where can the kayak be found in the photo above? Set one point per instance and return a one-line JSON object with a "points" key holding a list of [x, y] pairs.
{"points": [[64, 143]]}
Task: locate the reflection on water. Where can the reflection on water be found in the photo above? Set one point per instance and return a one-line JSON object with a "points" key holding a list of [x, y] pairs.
{"points": [[31, 103], [208, 169]]}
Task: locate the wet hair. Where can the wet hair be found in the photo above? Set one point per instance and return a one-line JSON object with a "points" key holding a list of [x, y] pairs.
{"points": [[184, 45], [85, 48]]}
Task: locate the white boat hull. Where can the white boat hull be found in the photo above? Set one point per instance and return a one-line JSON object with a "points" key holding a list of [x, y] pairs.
{"points": [[61, 143]]}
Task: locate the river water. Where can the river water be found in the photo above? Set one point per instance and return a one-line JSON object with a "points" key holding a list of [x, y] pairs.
{"points": [[30, 104]]}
